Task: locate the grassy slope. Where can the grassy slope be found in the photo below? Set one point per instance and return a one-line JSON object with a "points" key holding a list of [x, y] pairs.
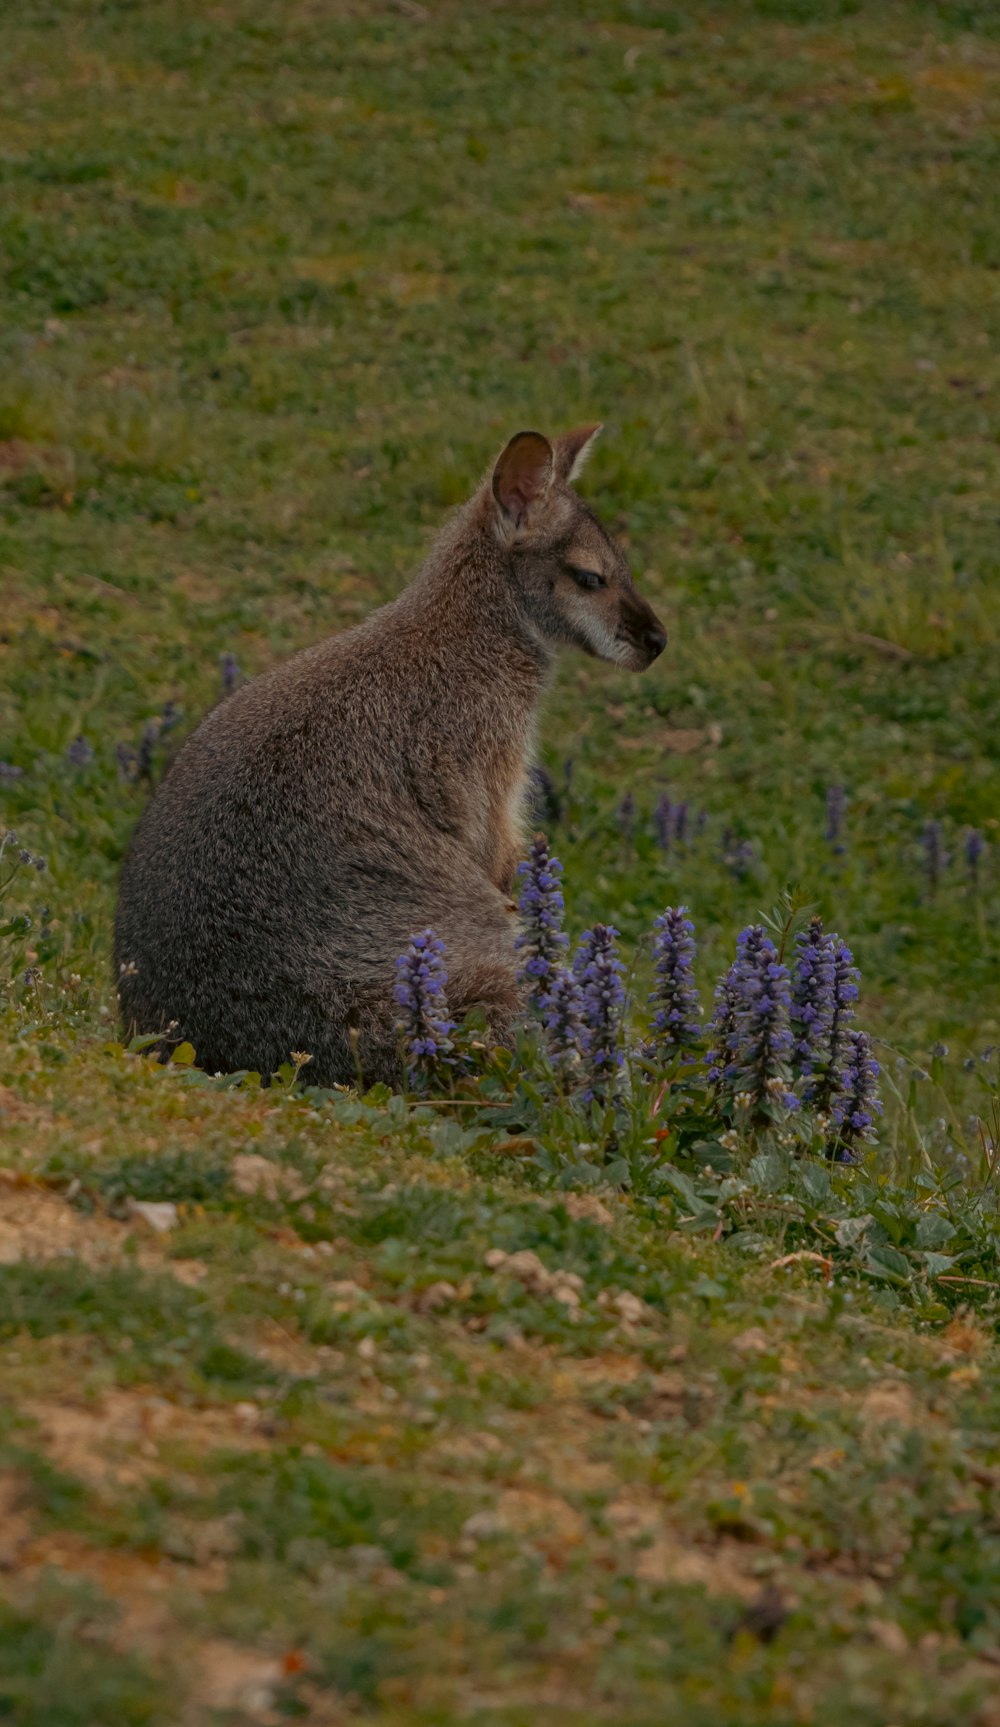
{"points": [[275, 282]]}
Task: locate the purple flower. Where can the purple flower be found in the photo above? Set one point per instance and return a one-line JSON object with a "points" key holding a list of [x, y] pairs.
{"points": [[9, 772], [24, 857], [562, 1010], [541, 941], [857, 1102], [626, 815], [170, 717], [147, 744], [737, 854], [423, 1023], [671, 822], [843, 995], [836, 805], [231, 674], [722, 1029], [598, 971], [663, 821], [676, 1024], [761, 1039], [811, 1000], [79, 753], [975, 845], [935, 857]]}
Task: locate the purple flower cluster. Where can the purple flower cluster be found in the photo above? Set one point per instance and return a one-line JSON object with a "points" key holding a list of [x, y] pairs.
{"points": [[670, 822], [231, 674], [975, 845], [423, 1023], [843, 995], [811, 1007], [598, 971], [737, 855], [540, 941], [79, 754], [761, 1040], [562, 1010], [676, 1022], [858, 1102], [20, 857], [627, 815], [722, 1030], [836, 804]]}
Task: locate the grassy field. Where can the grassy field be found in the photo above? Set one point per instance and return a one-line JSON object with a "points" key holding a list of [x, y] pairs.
{"points": [[276, 283]]}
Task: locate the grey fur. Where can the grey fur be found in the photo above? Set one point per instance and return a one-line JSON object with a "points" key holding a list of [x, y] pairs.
{"points": [[369, 787]]}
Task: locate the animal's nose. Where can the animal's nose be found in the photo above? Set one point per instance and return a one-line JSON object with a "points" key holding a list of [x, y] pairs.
{"points": [[654, 639]]}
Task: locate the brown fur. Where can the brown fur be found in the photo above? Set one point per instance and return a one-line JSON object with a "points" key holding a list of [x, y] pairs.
{"points": [[372, 786]]}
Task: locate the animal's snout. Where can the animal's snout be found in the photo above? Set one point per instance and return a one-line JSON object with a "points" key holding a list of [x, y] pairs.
{"points": [[654, 639]]}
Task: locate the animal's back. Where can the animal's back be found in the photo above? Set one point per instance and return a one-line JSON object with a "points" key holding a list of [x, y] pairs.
{"points": [[282, 864]]}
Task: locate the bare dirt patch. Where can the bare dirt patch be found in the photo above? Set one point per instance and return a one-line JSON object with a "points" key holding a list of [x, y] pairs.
{"points": [[37, 1224], [118, 1440], [660, 1556]]}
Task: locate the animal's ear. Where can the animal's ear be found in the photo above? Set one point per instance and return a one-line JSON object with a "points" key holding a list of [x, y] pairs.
{"points": [[573, 450], [523, 474]]}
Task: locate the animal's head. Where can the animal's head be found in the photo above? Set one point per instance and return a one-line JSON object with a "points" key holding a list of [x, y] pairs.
{"points": [[572, 577]]}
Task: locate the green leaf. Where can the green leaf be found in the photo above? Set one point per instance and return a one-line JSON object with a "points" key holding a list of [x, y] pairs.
{"points": [[183, 1055], [146, 1041], [681, 1185], [933, 1230], [815, 1182], [706, 1218], [888, 1262], [936, 1263], [850, 1230], [768, 1172]]}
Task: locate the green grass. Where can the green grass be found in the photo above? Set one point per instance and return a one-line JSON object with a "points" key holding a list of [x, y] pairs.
{"points": [[275, 283]]}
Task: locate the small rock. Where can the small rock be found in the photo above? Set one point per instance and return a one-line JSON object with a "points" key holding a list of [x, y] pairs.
{"points": [[887, 1402], [252, 1174], [526, 1266], [587, 1205], [752, 1342], [482, 1526], [434, 1296], [160, 1215], [890, 1635], [631, 1309]]}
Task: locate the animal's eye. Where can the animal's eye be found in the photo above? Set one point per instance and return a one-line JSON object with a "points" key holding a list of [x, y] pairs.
{"points": [[590, 580]]}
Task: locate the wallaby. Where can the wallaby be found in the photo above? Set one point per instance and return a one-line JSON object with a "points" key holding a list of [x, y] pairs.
{"points": [[369, 787]]}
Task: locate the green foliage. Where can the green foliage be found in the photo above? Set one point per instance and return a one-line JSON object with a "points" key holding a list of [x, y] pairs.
{"points": [[149, 1324], [54, 1671], [275, 281]]}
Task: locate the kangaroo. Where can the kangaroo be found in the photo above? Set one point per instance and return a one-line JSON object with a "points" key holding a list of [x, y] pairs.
{"points": [[371, 786]]}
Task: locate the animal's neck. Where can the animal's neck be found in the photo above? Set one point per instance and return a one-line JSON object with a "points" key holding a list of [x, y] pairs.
{"points": [[468, 604], [486, 670]]}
